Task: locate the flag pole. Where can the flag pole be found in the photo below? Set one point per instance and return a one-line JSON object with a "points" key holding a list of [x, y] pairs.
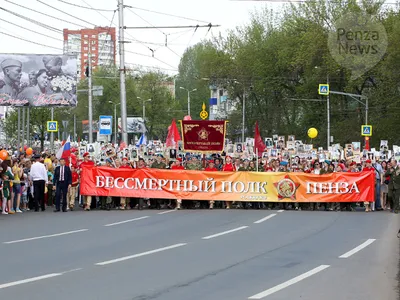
{"points": [[257, 159]]}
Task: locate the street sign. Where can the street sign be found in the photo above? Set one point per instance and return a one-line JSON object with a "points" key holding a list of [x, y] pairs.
{"points": [[52, 126], [323, 89], [105, 125], [366, 130]]}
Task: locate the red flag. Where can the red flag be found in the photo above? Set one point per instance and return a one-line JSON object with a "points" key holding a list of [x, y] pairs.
{"points": [[367, 143], [173, 136], [258, 142]]}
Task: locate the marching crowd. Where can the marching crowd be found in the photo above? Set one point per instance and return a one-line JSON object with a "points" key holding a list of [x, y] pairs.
{"points": [[43, 181]]}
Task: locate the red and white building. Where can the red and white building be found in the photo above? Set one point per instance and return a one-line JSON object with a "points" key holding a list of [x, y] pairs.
{"points": [[100, 42]]}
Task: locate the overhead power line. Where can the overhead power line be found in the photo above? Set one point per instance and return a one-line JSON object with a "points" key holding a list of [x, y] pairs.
{"points": [[146, 21], [28, 29], [170, 27], [104, 43], [81, 6], [167, 14], [47, 15], [32, 21], [29, 41], [65, 13]]}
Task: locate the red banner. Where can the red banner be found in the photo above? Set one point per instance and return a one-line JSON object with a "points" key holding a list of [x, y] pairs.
{"points": [[228, 186], [203, 136]]}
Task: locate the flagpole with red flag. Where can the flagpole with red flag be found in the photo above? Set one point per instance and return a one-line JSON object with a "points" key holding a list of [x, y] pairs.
{"points": [[173, 136], [259, 144]]}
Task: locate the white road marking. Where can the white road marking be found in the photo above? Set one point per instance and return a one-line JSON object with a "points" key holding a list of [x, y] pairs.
{"points": [[166, 212], [358, 248], [224, 232], [265, 219], [46, 236], [288, 283], [127, 221], [140, 254], [28, 280], [281, 210]]}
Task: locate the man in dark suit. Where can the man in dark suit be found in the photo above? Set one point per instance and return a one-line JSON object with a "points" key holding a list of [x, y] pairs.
{"points": [[62, 181]]}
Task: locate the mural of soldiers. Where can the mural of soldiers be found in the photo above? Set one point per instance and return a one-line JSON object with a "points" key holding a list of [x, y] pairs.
{"points": [[12, 70]]}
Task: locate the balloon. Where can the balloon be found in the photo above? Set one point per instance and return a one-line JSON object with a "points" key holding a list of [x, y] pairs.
{"points": [[25, 147], [29, 151], [312, 133], [3, 154], [187, 118], [20, 149]]}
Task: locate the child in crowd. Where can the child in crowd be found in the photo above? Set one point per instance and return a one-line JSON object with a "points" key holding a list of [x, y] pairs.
{"points": [[24, 197]]}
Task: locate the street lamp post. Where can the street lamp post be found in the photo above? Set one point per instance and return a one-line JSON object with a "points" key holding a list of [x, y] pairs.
{"points": [[144, 108], [243, 110], [115, 120], [188, 96]]}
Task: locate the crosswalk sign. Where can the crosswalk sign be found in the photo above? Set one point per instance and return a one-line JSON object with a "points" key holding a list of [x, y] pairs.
{"points": [[52, 126], [366, 130], [323, 89]]}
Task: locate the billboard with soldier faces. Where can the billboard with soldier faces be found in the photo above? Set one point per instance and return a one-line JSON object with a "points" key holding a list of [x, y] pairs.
{"points": [[38, 80]]}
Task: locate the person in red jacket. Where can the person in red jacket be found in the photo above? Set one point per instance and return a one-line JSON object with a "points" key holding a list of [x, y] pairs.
{"points": [[211, 168], [125, 164], [87, 163], [125, 201], [178, 165], [228, 167], [369, 206]]}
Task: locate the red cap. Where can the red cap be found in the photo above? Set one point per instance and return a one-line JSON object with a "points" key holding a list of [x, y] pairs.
{"points": [[368, 161], [228, 157], [211, 162], [353, 163], [86, 154], [179, 159], [125, 159]]}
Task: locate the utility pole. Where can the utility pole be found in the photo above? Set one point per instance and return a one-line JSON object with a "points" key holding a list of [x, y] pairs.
{"points": [[23, 126], [188, 104], [115, 124], [74, 139], [28, 139], [328, 116], [52, 133], [124, 133], [243, 113], [19, 129], [90, 99]]}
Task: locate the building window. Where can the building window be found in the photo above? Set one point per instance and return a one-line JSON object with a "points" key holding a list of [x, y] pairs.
{"points": [[93, 42], [93, 36], [85, 48], [85, 42], [85, 36], [93, 48], [85, 54]]}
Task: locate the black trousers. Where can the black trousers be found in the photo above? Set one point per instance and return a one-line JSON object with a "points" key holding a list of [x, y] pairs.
{"points": [[38, 192], [61, 191]]}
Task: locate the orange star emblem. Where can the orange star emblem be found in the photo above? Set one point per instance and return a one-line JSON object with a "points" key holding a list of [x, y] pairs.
{"points": [[203, 134], [286, 188]]}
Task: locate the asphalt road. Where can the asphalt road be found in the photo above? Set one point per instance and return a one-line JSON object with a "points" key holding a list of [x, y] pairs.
{"points": [[199, 255]]}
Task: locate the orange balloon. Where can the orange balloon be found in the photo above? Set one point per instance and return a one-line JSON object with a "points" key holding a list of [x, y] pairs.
{"points": [[3, 154], [29, 151], [20, 149]]}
